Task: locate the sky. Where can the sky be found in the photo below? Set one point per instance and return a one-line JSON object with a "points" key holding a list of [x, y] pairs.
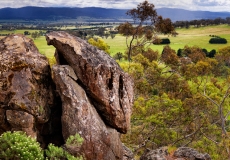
{"points": [[205, 5]]}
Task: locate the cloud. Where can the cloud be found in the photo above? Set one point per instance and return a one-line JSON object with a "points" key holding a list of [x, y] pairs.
{"points": [[212, 5], [206, 2]]}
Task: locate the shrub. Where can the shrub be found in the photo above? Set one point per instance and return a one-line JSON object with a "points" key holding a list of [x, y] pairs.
{"points": [[165, 41], [17, 145], [179, 52], [100, 44], [75, 140], [56, 153], [162, 41], [218, 41], [212, 53], [118, 56]]}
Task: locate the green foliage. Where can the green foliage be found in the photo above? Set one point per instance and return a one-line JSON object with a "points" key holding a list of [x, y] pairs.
{"points": [[118, 56], [179, 101], [56, 153], [218, 41], [16, 145], [35, 35], [75, 140], [100, 44], [26, 33], [163, 41]]}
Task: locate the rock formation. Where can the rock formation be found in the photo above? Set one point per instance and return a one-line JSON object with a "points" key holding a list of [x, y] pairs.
{"points": [[26, 94], [88, 94], [107, 85], [79, 116]]}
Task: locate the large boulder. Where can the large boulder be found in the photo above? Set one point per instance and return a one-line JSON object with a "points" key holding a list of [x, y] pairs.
{"points": [[26, 93], [109, 88], [79, 116]]}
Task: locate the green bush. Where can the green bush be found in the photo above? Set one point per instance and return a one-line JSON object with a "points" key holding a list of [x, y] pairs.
{"points": [[118, 56], [57, 153], [217, 41], [17, 145], [162, 41], [165, 41], [75, 140]]}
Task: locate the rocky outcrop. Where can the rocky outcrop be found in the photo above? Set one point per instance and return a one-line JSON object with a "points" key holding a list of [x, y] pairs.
{"points": [[79, 116], [190, 154], [109, 88], [88, 94], [26, 93]]}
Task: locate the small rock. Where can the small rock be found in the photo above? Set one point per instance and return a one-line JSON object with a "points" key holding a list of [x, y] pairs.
{"points": [[190, 154]]}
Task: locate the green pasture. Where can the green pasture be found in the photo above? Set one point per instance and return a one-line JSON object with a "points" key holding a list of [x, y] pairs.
{"points": [[43, 48], [191, 37], [117, 44]]}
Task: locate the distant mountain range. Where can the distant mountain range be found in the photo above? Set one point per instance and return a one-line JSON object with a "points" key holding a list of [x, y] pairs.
{"points": [[181, 14], [49, 13]]}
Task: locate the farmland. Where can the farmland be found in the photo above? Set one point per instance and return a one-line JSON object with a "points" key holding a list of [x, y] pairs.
{"points": [[191, 37]]}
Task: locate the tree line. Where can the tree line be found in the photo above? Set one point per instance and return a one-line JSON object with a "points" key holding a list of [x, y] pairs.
{"points": [[201, 22]]}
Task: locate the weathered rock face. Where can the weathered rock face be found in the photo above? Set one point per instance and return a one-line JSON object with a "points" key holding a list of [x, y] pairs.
{"points": [[25, 85], [109, 88], [158, 154], [190, 154], [79, 116]]}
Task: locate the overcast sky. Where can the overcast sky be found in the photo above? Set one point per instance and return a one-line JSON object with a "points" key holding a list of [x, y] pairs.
{"points": [[210, 5]]}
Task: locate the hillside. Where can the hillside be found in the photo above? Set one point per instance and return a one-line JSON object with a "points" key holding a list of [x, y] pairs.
{"points": [[50, 13]]}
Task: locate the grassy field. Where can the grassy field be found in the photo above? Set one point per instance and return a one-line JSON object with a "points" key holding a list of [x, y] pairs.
{"points": [[191, 37], [43, 48]]}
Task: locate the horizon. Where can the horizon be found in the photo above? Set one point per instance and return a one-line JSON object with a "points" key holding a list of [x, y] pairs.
{"points": [[109, 8], [191, 5]]}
